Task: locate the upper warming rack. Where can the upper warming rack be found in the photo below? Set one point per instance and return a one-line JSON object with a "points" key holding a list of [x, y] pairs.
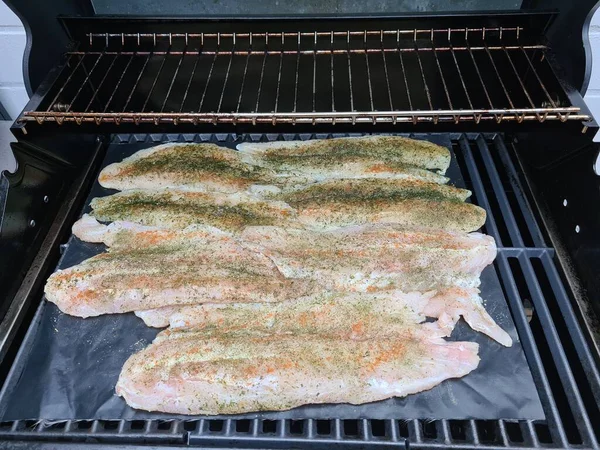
{"points": [[369, 76]]}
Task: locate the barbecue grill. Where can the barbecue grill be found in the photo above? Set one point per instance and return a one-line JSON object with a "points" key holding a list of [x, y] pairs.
{"points": [[505, 87]]}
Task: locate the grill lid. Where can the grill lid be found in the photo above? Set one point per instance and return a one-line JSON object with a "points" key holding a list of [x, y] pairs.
{"points": [[237, 7]]}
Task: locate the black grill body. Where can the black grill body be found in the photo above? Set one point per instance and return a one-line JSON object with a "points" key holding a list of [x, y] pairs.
{"points": [[492, 82]]}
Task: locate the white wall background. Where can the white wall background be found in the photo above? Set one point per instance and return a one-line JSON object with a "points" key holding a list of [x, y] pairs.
{"points": [[12, 44]]}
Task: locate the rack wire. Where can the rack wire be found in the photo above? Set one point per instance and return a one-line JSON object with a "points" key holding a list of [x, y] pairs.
{"points": [[371, 76]]}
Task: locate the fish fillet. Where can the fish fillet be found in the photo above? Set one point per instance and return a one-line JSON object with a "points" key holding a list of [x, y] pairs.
{"points": [[147, 268], [322, 206], [178, 209], [344, 314], [327, 312], [376, 256], [127, 234], [338, 203], [348, 157], [231, 373], [203, 167], [209, 167]]}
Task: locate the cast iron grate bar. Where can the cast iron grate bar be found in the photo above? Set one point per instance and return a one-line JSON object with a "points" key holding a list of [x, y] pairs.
{"points": [[486, 74]]}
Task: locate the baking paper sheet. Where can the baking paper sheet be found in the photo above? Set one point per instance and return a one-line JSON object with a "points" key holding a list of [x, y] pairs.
{"points": [[67, 367]]}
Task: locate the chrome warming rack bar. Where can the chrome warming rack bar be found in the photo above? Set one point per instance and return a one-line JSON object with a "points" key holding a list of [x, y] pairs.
{"points": [[322, 77]]}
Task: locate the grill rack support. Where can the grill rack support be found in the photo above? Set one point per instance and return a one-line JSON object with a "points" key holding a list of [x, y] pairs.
{"points": [[428, 76]]}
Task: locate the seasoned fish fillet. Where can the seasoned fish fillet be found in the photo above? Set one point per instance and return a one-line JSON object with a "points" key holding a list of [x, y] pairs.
{"points": [[204, 167], [352, 315], [326, 312], [208, 167], [376, 256], [146, 269], [128, 235], [337, 203], [208, 372], [177, 209], [348, 157], [322, 205]]}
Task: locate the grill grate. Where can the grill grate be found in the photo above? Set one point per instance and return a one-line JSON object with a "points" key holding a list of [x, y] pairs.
{"points": [[563, 368], [371, 76]]}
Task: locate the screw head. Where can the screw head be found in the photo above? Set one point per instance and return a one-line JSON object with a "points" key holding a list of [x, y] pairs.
{"points": [[46, 199], [32, 223]]}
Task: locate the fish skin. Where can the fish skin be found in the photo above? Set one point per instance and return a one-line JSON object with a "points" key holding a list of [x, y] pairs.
{"points": [[345, 157], [202, 167], [354, 315], [177, 209], [375, 256], [146, 269], [412, 203], [219, 373]]}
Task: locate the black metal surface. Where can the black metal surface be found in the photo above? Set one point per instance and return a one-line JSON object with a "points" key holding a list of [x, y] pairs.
{"points": [[33, 280], [569, 37], [33, 195], [559, 169], [555, 345]]}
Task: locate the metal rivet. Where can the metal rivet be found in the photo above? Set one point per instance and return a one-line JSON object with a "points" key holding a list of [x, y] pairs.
{"points": [[32, 223], [46, 199], [577, 229]]}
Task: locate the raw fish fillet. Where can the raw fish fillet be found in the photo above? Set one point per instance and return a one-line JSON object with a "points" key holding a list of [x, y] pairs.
{"points": [[203, 167], [208, 372], [147, 268], [376, 256], [356, 258], [126, 234], [209, 167], [177, 209], [352, 315], [323, 205], [349, 314], [415, 203], [349, 157]]}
